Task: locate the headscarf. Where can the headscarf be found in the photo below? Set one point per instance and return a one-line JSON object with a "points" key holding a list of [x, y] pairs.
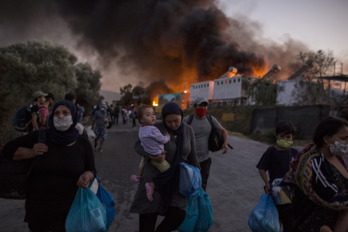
{"points": [[68, 136], [166, 181], [171, 108]]}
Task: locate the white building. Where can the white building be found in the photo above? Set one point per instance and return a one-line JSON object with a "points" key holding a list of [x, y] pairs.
{"points": [[286, 92], [232, 88], [202, 89]]}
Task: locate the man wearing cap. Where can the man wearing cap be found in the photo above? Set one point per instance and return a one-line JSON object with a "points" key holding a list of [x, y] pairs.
{"points": [[202, 128], [39, 98]]}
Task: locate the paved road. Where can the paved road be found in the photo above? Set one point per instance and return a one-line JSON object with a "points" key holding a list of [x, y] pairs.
{"points": [[234, 186]]}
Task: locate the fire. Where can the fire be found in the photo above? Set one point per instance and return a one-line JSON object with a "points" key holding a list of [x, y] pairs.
{"points": [[259, 72], [155, 100], [184, 81]]}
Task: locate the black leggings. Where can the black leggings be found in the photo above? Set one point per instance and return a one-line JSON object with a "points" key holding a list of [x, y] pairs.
{"points": [[172, 220]]}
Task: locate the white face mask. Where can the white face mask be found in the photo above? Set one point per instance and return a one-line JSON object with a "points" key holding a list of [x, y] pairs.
{"points": [[62, 124], [338, 149]]}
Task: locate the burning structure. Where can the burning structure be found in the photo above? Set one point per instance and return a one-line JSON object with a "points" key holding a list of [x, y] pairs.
{"points": [[229, 87]]}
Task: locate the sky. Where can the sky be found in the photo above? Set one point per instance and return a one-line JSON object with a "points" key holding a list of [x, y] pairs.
{"points": [[130, 41], [320, 24]]}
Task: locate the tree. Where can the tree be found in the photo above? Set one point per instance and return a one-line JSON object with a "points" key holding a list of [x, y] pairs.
{"points": [[88, 85], [309, 93], [263, 92], [126, 95], [323, 63], [310, 89], [28, 67], [138, 92]]}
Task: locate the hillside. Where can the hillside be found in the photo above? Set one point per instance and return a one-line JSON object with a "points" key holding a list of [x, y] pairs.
{"points": [[109, 96]]}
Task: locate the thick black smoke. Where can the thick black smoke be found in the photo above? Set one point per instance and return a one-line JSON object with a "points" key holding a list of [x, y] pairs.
{"points": [[158, 39]]}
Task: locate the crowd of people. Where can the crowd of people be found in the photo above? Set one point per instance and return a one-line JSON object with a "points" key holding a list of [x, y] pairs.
{"points": [[314, 178]]}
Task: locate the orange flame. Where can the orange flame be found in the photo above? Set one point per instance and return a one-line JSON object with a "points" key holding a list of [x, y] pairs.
{"points": [[154, 103], [190, 76]]}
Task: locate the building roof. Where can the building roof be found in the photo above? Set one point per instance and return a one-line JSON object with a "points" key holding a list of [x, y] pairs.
{"points": [[343, 78]]}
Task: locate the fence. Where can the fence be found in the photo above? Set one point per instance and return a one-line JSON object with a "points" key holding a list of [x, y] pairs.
{"points": [[305, 118]]}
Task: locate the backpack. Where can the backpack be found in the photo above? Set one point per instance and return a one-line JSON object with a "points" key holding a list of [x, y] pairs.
{"points": [[13, 173], [216, 138], [22, 119]]}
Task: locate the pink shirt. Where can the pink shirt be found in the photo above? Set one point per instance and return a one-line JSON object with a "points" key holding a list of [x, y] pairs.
{"points": [[43, 112]]}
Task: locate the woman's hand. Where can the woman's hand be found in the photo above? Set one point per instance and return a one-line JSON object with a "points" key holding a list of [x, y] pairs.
{"points": [[159, 158], [39, 149], [27, 153], [268, 188], [84, 179]]}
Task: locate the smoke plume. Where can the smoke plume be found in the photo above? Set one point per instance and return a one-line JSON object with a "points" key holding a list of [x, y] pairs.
{"points": [[174, 41]]}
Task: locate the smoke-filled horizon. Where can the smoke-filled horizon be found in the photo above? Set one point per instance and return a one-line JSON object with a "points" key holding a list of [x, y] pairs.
{"points": [[175, 42]]}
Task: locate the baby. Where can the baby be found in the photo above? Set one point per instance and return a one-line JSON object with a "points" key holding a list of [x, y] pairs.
{"points": [[152, 141]]}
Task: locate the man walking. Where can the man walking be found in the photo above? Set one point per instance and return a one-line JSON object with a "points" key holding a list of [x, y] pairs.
{"points": [[116, 113], [100, 118], [202, 127]]}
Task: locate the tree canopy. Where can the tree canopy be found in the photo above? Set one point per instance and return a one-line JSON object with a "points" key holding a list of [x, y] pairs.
{"points": [[31, 66], [310, 89]]}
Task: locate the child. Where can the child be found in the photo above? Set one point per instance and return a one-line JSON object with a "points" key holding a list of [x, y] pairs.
{"points": [[152, 141], [276, 161]]}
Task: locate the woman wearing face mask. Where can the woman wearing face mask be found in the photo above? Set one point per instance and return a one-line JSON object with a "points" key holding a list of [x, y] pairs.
{"points": [[319, 178], [60, 164], [167, 200]]}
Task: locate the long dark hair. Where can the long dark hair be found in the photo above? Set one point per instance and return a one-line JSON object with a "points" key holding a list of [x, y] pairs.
{"points": [[327, 127]]}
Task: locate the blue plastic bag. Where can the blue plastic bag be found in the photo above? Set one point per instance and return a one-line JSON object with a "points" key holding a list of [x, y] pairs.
{"points": [[205, 216], [190, 180], [108, 202], [86, 214], [192, 211], [264, 217]]}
